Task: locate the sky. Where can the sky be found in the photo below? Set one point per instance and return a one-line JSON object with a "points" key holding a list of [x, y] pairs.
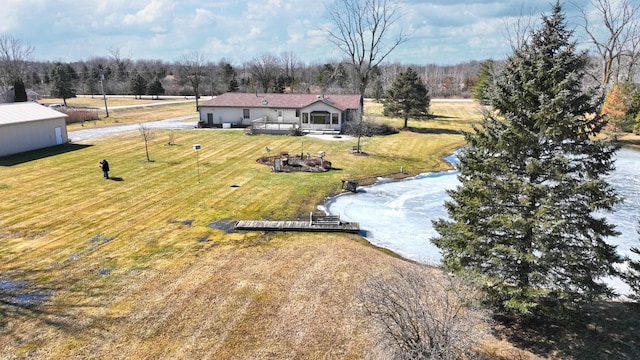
{"points": [[440, 31]]}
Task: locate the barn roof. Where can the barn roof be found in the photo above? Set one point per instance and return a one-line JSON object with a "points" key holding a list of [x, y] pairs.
{"points": [[22, 112], [283, 101]]}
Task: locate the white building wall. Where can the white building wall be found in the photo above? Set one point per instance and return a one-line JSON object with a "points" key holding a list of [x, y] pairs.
{"points": [[235, 117], [26, 136]]}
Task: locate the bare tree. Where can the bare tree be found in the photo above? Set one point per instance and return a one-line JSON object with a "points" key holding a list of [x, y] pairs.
{"points": [[359, 129], [147, 135], [290, 64], [423, 315], [621, 21], [122, 64], [265, 70], [193, 67], [14, 56], [363, 33], [518, 29], [631, 51]]}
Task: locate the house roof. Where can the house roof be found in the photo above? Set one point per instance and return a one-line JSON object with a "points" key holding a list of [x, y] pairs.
{"points": [[22, 112], [286, 101]]}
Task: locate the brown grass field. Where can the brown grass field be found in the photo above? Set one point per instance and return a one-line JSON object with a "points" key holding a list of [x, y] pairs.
{"points": [[144, 266]]}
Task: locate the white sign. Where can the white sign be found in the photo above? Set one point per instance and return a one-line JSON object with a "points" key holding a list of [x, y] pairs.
{"points": [[196, 146]]}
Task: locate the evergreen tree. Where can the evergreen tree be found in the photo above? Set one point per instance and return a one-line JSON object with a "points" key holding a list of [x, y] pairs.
{"points": [[616, 109], [340, 76], [325, 76], [95, 81], [633, 102], [20, 92], [532, 180], [232, 85], [632, 276], [407, 97], [279, 84], [155, 88], [378, 90], [62, 76], [486, 76], [229, 75], [614, 103], [138, 85], [89, 80]]}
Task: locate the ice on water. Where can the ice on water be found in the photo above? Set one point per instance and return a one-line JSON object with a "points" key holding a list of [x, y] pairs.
{"points": [[397, 215]]}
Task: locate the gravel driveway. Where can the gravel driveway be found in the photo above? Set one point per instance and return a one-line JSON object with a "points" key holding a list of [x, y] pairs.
{"points": [[173, 123]]}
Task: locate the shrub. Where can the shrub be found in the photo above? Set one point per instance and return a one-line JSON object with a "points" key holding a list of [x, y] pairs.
{"points": [[368, 128], [420, 315], [80, 115]]}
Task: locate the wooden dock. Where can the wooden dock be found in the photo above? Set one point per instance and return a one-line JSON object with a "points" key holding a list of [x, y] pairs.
{"points": [[315, 224]]}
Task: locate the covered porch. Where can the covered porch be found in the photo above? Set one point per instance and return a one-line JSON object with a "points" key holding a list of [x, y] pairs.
{"points": [[320, 121]]}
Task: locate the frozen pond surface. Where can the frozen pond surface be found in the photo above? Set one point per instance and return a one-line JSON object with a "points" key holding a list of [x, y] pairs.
{"points": [[397, 215]]}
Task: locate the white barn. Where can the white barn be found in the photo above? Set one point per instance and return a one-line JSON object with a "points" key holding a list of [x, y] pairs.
{"points": [[29, 126], [281, 112]]}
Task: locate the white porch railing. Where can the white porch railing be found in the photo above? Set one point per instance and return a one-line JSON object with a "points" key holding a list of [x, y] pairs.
{"points": [[264, 123]]}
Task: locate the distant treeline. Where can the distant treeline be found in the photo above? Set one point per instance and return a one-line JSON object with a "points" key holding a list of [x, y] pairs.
{"points": [[122, 76], [118, 76]]}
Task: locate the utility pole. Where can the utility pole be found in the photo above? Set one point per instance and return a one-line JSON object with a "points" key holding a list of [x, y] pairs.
{"points": [[104, 96]]}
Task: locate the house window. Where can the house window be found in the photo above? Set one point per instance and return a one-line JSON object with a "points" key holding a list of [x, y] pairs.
{"points": [[305, 118], [245, 113], [334, 118], [297, 113], [320, 119]]}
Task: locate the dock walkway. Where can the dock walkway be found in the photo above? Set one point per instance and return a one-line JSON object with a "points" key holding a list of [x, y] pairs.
{"points": [[315, 224]]}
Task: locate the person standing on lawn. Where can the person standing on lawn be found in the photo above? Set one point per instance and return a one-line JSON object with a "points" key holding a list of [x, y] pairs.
{"points": [[104, 165]]}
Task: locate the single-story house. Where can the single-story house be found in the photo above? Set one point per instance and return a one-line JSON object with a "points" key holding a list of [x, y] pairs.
{"points": [[26, 126], [281, 113]]}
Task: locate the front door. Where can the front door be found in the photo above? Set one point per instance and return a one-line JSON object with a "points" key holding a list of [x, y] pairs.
{"points": [[58, 136]]}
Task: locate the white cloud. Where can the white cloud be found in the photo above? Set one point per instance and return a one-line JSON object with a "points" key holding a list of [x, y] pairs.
{"points": [[154, 11], [442, 31]]}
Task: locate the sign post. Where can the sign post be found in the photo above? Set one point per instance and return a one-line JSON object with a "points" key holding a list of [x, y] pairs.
{"points": [[197, 147]]}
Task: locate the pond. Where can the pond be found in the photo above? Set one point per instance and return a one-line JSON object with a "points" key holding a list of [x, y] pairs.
{"points": [[397, 215]]}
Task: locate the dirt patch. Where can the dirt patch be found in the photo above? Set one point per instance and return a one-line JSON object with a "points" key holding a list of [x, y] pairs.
{"points": [[629, 140], [376, 179]]}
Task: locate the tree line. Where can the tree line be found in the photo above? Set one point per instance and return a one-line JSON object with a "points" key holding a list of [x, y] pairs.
{"points": [[267, 73]]}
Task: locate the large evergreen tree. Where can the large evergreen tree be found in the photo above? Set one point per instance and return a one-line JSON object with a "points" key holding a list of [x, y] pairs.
{"points": [[407, 98], [527, 216], [62, 78]]}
